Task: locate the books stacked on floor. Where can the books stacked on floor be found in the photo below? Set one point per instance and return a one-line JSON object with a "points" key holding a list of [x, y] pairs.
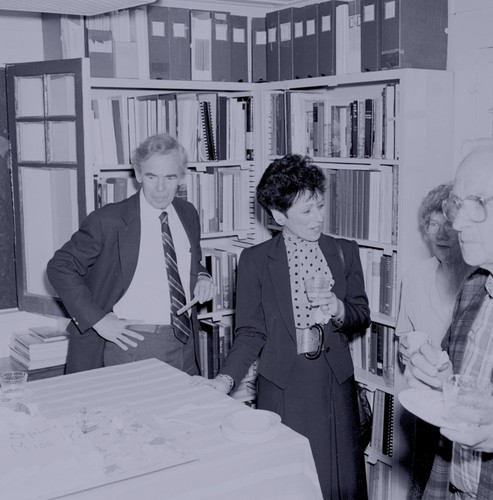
{"points": [[40, 347]]}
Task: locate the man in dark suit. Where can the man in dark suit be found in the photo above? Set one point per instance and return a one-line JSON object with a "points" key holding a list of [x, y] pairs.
{"points": [[463, 466], [305, 371], [113, 275]]}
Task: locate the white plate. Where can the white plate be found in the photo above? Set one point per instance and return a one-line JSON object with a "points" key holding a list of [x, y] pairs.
{"points": [[428, 405], [251, 426]]}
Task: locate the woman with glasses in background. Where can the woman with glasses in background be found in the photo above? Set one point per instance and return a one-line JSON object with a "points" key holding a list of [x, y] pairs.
{"points": [[428, 294]]}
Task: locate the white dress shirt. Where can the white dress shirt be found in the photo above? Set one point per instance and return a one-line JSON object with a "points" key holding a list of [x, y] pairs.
{"points": [[147, 298]]}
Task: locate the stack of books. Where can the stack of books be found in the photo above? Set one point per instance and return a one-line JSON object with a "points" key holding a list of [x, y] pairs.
{"points": [[40, 347]]}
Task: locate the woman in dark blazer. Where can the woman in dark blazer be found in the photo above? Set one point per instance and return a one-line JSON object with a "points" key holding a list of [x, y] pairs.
{"points": [[314, 392]]}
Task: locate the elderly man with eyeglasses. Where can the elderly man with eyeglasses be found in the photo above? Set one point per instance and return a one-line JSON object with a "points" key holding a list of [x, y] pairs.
{"points": [[463, 466]]}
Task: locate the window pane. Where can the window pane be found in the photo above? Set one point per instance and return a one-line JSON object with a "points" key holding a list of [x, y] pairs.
{"points": [[61, 95], [29, 96], [61, 142], [48, 219], [31, 142]]}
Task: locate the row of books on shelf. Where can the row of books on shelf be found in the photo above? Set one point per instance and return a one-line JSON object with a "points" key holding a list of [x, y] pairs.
{"points": [[319, 124], [210, 126], [362, 203], [40, 347], [221, 265], [215, 339], [113, 189], [349, 36], [382, 431], [375, 350], [380, 272], [220, 195], [379, 480], [153, 41]]}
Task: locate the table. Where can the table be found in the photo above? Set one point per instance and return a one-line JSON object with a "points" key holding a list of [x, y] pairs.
{"points": [[281, 468]]}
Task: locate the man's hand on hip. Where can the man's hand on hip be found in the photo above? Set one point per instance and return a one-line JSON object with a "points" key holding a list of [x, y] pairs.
{"points": [[115, 330]]}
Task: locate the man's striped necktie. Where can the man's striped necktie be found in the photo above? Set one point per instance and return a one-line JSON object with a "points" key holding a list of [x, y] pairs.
{"points": [[181, 323]]}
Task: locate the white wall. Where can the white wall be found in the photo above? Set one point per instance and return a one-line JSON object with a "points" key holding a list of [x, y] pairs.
{"points": [[20, 37], [471, 59]]}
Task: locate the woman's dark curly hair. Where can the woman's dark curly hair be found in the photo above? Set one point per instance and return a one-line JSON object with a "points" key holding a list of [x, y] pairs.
{"points": [[287, 178]]}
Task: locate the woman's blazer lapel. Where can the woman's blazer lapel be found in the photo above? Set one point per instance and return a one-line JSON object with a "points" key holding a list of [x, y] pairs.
{"points": [[278, 269]]}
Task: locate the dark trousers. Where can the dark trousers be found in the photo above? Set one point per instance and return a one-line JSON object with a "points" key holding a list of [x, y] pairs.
{"points": [[161, 344]]}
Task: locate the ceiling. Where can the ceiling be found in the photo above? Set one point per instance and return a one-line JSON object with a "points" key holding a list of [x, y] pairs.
{"points": [[76, 7], [94, 7]]}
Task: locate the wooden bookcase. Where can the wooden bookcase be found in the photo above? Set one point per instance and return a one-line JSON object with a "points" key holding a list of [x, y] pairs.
{"points": [[420, 159]]}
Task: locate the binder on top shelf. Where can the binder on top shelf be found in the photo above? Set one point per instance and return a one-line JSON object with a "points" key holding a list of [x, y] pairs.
{"points": [[305, 42], [125, 50], [272, 60], [353, 63], [63, 36], [286, 44], [100, 51], [201, 43], [125, 57], [259, 50], [159, 42], [239, 48], [221, 47], [179, 44], [342, 37], [326, 28], [413, 34], [140, 34], [370, 35]]}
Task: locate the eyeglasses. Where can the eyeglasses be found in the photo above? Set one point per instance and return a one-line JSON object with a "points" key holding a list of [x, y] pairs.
{"points": [[432, 227], [475, 207]]}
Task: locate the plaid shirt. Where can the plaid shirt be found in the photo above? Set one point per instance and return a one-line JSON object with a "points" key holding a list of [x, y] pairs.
{"points": [[468, 305]]}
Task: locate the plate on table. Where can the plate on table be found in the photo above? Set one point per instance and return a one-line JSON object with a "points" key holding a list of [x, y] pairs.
{"points": [[428, 405], [251, 426]]}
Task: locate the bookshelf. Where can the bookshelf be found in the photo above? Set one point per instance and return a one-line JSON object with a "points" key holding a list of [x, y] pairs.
{"points": [[376, 179]]}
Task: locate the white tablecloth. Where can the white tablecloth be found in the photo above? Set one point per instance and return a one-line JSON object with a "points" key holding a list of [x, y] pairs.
{"points": [[281, 468]]}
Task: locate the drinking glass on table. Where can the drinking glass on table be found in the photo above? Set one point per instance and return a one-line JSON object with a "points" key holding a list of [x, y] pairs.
{"points": [[13, 384]]}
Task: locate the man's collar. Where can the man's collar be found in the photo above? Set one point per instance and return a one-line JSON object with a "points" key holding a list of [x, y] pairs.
{"points": [[147, 210], [489, 286]]}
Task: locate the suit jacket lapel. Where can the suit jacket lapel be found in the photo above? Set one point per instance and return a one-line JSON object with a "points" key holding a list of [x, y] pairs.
{"points": [[129, 239], [279, 274]]}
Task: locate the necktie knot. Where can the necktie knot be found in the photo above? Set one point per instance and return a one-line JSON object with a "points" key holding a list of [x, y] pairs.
{"points": [[163, 217]]}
